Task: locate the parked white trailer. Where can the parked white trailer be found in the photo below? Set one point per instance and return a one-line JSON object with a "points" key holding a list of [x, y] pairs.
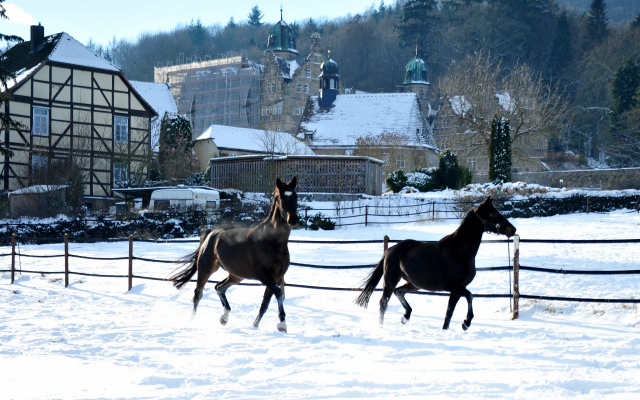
{"points": [[184, 197]]}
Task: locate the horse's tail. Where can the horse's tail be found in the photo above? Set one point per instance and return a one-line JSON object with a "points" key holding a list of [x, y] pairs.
{"points": [[370, 284], [182, 276]]}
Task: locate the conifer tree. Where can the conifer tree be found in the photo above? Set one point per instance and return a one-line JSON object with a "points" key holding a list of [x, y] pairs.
{"points": [[449, 173], [561, 52], [5, 76], [635, 23], [598, 22], [416, 24], [624, 89], [254, 17], [232, 23], [175, 147], [500, 150]]}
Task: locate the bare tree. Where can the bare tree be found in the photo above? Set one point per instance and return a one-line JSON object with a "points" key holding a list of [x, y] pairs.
{"points": [[477, 88], [391, 148], [280, 143]]}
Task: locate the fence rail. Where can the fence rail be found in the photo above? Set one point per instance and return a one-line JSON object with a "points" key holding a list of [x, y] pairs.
{"points": [[514, 296]]}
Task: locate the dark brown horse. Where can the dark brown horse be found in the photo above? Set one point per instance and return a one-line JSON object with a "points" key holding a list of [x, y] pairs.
{"points": [[259, 253], [447, 265]]}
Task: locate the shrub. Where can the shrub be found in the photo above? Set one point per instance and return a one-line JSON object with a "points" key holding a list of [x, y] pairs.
{"points": [[396, 181], [319, 221]]}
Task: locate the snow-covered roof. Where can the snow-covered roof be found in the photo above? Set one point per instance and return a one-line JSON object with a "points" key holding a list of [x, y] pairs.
{"points": [[158, 95], [36, 189], [357, 115], [70, 51], [288, 67], [247, 139]]}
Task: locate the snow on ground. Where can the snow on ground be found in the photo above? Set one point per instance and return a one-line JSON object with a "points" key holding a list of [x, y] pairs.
{"points": [[95, 340]]}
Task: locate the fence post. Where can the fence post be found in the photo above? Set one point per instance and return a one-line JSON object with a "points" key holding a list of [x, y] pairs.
{"points": [[66, 260], [162, 224], [366, 215], [433, 211], [587, 204], [306, 219], [638, 204], [386, 243], [13, 257], [540, 207], [130, 261], [85, 228], [516, 275]]}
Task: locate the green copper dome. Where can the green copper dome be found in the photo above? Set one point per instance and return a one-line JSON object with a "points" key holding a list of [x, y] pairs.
{"points": [[417, 72], [329, 67], [281, 38]]}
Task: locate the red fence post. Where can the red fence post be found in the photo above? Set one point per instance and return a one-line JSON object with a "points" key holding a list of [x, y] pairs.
{"points": [[13, 257], [516, 275], [366, 215], [66, 259], [130, 261]]}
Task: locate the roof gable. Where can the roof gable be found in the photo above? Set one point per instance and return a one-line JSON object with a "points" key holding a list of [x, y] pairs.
{"points": [[231, 137], [61, 48]]}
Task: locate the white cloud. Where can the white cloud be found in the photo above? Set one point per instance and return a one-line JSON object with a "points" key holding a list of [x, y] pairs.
{"points": [[18, 15]]}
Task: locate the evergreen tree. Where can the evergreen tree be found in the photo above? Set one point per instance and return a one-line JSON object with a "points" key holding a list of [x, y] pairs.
{"points": [[232, 23], [598, 22], [635, 23], [416, 24], [198, 34], [175, 147], [449, 173], [561, 52], [500, 150], [254, 17], [5, 76], [625, 89]]}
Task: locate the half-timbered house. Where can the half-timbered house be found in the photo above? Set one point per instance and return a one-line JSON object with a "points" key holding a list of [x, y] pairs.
{"points": [[75, 108]]}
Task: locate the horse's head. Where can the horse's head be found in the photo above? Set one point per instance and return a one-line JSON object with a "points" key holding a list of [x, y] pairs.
{"points": [[287, 200], [492, 220]]}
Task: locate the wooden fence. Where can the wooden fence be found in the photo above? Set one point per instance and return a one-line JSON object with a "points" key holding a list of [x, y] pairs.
{"points": [[316, 174]]}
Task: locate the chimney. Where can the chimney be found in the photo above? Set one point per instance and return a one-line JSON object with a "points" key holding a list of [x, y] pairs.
{"points": [[37, 37]]}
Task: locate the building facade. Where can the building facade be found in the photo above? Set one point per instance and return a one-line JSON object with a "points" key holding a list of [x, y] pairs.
{"points": [[74, 108]]}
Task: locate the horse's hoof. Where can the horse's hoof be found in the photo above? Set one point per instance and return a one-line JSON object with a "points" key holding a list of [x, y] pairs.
{"points": [[404, 320], [225, 317], [465, 326], [282, 327]]}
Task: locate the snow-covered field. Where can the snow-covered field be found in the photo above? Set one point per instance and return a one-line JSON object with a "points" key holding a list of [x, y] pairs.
{"points": [[95, 340]]}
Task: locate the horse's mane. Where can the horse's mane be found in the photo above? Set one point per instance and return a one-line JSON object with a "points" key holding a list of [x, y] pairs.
{"points": [[455, 233], [272, 210]]}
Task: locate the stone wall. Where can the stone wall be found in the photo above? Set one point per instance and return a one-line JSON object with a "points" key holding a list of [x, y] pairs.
{"points": [[605, 179]]}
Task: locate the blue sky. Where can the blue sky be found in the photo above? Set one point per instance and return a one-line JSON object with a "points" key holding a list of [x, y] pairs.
{"points": [[102, 20]]}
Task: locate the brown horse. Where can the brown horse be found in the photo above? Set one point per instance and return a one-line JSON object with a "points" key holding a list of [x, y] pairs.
{"points": [[259, 253], [447, 265]]}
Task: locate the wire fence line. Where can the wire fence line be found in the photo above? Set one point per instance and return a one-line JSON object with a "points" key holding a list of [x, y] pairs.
{"points": [[509, 268]]}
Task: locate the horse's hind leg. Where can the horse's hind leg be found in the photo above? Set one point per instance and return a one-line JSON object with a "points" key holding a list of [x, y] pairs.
{"points": [[206, 267], [400, 292], [221, 289], [456, 292]]}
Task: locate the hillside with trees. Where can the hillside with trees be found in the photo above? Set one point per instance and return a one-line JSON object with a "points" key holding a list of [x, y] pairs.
{"points": [[580, 54]]}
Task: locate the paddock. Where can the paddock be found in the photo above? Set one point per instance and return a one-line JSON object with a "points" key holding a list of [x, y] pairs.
{"points": [[143, 337]]}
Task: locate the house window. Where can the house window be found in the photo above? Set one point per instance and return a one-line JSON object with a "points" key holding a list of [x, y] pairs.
{"points": [[266, 110], [119, 173], [400, 160], [38, 164], [308, 73], [279, 129], [275, 110], [40, 121], [297, 110], [306, 89], [299, 88], [268, 88], [121, 129], [472, 164], [273, 88], [332, 84], [262, 110], [279, 109]]}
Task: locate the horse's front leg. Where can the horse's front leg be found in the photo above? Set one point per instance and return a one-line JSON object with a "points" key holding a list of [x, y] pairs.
{"points": [[453, 300], [263, 307], [271, 284], [221, 289]]}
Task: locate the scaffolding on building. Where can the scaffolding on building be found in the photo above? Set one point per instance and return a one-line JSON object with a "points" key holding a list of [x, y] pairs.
{"points": [[222, 91]]}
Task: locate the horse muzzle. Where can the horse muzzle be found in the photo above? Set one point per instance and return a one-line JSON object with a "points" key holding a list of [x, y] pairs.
{"points": [[292, 219]]}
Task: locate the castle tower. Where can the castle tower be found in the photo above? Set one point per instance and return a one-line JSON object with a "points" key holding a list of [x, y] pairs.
{"points": [[329, 82], [281, 40]]}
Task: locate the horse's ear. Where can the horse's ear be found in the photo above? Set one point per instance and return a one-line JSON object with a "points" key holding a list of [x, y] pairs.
{"points": [[278, 183], [489, 200], [293, 182]]}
